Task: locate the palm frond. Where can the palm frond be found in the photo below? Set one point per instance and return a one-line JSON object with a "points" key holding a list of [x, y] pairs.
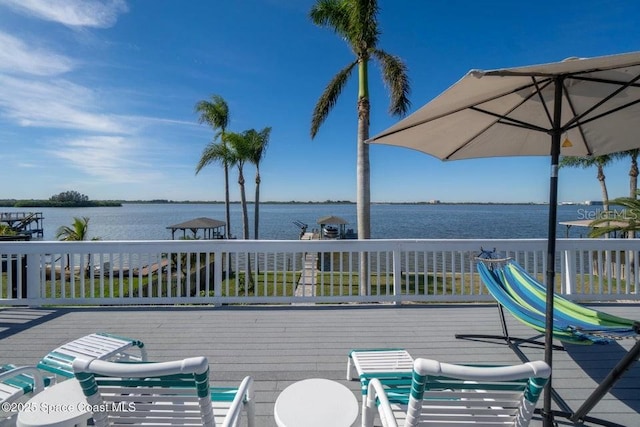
{"points": [[333, 14], [215, 113], [76, 232], [622, 220], [585, 162], [633, 154], [364, 25], [329, 98], [258, 142], [214, 152], [394, 74], [239, 147]]}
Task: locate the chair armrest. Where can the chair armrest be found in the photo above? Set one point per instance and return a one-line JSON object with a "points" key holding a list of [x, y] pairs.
{"points": [[375, 390], [244, 395], [38, 379]]}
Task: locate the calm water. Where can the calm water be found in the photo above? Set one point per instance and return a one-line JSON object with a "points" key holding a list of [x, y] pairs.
{"points": [[149, 222]]}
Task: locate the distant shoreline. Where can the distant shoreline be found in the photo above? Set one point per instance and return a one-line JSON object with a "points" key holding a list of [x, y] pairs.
{"points": [[34, 203]]}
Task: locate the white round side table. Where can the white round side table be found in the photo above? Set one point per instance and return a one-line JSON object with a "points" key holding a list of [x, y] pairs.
{"points": [[316, 402], [60, 405]]}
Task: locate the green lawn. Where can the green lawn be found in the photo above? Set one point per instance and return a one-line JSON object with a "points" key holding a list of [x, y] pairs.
{"points": [[267, 283]]}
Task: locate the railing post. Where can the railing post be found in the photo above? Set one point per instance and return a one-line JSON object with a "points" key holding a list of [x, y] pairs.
{"points": [[217, 277], [569, 266], [33, 279], [397, 277]]}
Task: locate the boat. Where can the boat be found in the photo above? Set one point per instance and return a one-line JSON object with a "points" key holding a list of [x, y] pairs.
{"points": [[334, 227], [330, 232]]}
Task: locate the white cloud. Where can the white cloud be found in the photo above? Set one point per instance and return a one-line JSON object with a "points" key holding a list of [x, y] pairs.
{"points": [[16, 57], [72, 13], [106, 144], [55, 104], [30, 101], [114, 159]]}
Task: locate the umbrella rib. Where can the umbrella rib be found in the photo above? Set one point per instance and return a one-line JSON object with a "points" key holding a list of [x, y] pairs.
{"points": [[606, 113], [457, 110], [542, 100], [578, 123], [503, 119], [599, 80], [602, 101], [520, 123]]}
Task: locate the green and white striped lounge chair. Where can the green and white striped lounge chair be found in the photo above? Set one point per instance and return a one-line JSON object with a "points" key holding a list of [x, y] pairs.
{"points": [[18, 383], [443, 394], [377, 362], [99, 345], [163, 393], [392, 366]]}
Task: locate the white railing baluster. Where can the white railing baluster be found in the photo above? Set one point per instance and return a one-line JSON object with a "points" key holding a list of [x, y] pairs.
{"points": [[154, 272]]}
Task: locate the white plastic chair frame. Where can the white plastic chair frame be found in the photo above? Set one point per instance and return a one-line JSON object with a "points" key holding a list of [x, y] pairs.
{"points": [[176, 392], [451, 395], [20, 381], [392, 366], [99, 345]]}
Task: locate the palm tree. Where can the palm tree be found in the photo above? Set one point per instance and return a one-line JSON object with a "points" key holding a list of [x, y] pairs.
{"points": [[218, 152], [6, 230], [633, 169], [215, 113], [258, 142], [587, 162], [239, 149], [356, 22], [625, 221], [77, 232]]}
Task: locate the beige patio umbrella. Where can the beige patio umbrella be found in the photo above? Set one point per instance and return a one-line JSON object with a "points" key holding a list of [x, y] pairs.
{"points": [[577, 107]]}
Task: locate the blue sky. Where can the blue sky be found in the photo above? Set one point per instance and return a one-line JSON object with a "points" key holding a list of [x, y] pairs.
{"points": [[98, 96]]}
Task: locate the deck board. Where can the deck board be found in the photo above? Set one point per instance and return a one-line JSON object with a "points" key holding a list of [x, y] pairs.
{"points": [[281, 345]]}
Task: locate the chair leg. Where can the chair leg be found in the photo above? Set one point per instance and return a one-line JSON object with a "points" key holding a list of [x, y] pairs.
{"points": [[250, 409], [350, 368], [623, 365], [368, 410]]}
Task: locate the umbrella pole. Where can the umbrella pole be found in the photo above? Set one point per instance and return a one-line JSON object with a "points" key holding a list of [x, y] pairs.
{"points": [[551, 246]]}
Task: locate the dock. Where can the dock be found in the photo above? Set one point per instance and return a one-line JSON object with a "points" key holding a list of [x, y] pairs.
{"points": [[306, 286], [24, 223]]}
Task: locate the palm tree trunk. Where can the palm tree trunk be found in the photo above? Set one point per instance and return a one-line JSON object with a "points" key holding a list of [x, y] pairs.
{"points": [[226, 201], [245, 226], [363, 196], [605, 205], [633, 190], [243, 201], [256, 217], [633, 176], [603, 187]]}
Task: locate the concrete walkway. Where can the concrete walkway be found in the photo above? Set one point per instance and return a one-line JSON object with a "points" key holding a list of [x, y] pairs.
{"points": [[307, 284]]}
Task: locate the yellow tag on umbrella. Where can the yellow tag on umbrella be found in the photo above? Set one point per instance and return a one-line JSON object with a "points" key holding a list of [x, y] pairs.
{"points": [[567, 143]]}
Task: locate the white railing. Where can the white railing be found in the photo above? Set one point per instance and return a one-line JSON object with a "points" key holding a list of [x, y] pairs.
{"points": [[285, 272]]}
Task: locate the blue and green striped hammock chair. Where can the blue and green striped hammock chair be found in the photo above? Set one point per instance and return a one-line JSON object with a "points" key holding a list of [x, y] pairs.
{"points": [[516, 291], [525, 298]]}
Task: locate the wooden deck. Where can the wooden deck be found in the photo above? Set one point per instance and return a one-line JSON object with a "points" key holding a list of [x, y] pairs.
{"points": [[281, 345]]}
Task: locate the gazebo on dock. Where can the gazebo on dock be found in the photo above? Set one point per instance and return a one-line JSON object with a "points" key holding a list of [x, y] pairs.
{"points": [[211, 228], [329, 231]]}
